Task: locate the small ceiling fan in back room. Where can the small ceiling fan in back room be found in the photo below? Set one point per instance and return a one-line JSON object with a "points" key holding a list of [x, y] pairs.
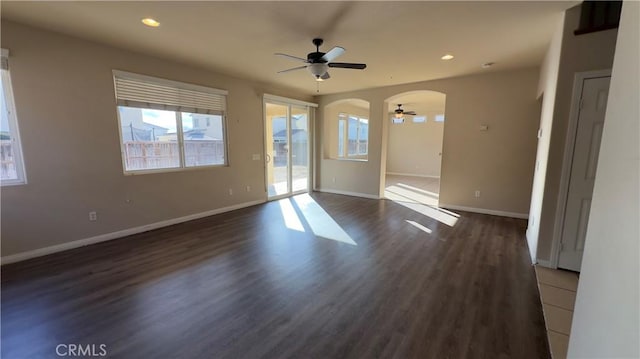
{"points": [[318, 63], [399, 112]]}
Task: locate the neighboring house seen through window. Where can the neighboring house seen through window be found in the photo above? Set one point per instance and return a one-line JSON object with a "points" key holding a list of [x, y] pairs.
{"points": [[11, 164], [167, 125]]}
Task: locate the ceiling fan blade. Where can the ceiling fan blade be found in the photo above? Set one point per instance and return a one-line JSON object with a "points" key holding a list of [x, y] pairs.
{"points": [[333, 53], [326, 76], [291, 57], [347, 65], [292, 69], [412, 113]]}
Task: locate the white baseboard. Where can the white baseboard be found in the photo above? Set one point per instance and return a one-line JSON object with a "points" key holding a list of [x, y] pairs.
{"points": [[485, 211], [410, 175], [18, 257], [347, 193], [544, 263]]}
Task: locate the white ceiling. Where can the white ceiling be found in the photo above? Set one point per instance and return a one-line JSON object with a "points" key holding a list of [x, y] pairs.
{"points": [[401, 42]]}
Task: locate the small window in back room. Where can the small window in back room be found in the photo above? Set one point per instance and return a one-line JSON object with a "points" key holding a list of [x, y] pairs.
{"points": [[439, 118], [419, 119], [397, 121], [11, 164]]}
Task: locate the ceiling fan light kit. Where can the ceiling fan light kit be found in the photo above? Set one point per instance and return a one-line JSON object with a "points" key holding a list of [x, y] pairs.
{"points": [[318, 63], [399, 112]]}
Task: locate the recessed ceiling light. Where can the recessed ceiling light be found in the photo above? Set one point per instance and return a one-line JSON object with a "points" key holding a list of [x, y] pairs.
{"points": [[447, 57], [487, 64], [150, 22]]}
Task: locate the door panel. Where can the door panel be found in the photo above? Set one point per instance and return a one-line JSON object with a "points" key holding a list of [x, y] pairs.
{"points": [[277, 147], [583, 169], [287, 149], [299, 148]]}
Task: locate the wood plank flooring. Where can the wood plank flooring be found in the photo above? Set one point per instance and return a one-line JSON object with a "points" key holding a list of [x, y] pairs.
{"points": [[258, 283]]}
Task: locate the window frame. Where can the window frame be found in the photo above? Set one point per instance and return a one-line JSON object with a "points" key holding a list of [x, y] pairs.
{"points": [[14, 127], [344, 118], [421, 119], [179, 125], [179, 140]]}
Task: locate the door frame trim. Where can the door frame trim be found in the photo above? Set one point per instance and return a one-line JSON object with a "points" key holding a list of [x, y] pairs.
{"points": [[289, 102], [567, 159]]}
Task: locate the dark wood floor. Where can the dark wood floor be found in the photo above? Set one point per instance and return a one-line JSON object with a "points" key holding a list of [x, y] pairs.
{"points": [[243, 285]]}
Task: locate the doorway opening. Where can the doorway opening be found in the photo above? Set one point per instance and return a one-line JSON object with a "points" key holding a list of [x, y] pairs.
{"points": [[287, 147], [586, 122], [415, 134]]}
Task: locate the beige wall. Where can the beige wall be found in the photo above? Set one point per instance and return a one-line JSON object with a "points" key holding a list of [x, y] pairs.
{"points": [[587, 52], [607, 309], [498, 162], [415, 148], [66, 109]]}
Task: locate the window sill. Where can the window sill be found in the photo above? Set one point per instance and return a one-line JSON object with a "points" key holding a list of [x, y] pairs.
{"points": [[9, 183], [349, 159], [170, 170]]}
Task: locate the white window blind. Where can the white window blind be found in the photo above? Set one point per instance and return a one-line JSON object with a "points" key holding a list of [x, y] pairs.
{"points": [[136, 90]]}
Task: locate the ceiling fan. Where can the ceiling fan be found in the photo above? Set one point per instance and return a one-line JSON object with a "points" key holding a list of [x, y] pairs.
{"points": [[399, 112], [318, 62]]}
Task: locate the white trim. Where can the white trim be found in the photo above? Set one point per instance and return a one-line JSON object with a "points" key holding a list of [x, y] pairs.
{"points": [[289, 101], [546, 264], [410, 175], [119, 234], [486, 211], [348, 193], [172, 83], [14, 130], [567, 159]]}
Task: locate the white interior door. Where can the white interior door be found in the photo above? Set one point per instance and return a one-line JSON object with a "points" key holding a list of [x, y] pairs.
{"points": [[593, 104]]}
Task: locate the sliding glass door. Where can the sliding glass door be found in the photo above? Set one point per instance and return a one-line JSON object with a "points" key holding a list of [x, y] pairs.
{"points": [[287, 149]]}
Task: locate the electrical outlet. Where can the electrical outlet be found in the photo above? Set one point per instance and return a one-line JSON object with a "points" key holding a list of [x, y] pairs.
{"points": [[230, 191], [334, 180], [477, 194], [93, 216], [248, 188], [255, 157]]}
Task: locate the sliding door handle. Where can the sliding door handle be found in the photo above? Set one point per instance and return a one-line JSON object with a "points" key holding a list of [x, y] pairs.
{"points": [[268, 157]]}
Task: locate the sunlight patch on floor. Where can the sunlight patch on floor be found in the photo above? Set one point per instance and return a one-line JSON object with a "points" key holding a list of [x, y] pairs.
{"points": [[419, 190], [291, 219], [302, 209], [432, 212], [397, 193], [419, 226], [421, 201]]}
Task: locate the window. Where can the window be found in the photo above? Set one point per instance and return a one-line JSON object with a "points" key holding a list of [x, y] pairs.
{"points": [[439, 118], [353, 134], [11, 165], [162, 124], [419, 119], [397, 121]]}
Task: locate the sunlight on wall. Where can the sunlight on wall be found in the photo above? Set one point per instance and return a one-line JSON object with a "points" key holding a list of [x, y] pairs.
{"points": [[304, 210]]}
